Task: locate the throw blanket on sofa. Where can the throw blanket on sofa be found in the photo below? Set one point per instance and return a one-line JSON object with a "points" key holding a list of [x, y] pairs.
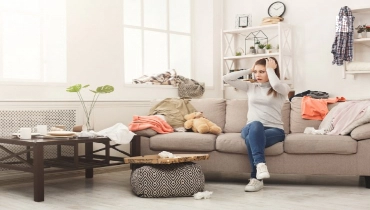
{"points": [[154, 122], [348, 115], [174, 110], [316, 109]]}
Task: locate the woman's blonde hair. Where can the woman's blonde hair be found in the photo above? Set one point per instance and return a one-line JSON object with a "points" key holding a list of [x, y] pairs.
{"points": [[262, 62]]}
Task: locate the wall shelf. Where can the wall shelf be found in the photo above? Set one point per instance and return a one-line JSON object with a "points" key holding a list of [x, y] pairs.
{"points": [[235, 39], [251, 56], [364, 42]]}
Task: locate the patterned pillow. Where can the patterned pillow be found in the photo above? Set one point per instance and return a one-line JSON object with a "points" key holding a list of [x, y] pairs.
{"points": [[167, 180]]}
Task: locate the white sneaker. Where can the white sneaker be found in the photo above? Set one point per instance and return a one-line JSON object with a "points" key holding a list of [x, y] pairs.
{"points": [[262, 172], [254, 185]]}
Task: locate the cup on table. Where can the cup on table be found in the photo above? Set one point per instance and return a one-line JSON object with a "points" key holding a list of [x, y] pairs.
{"points": [[24, 133], [41, 129]]}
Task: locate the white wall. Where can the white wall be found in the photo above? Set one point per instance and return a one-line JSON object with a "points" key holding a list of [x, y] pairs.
{"points": [[95, 55], [314, 33]]}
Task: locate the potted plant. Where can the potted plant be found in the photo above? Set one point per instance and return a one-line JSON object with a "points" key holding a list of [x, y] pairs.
{"points": [[261, 49], [239, 52], [88, 110], [268, 48], [252, 50], [360, 31], [368, 31]]}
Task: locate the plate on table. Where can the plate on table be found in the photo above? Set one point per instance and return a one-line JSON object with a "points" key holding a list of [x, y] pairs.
{"points": [[61, 133], [32, 134]]}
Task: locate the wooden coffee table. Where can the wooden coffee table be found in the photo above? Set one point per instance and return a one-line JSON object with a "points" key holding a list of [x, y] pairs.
{"points": [[155, 159], [30, 157]]}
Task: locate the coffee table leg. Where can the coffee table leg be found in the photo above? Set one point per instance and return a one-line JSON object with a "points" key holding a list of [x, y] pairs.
{"points": [[38, 173], [89, 173]]}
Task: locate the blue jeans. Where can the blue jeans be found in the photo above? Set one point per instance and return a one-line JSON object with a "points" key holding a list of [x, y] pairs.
{"points": [[257, 138]]}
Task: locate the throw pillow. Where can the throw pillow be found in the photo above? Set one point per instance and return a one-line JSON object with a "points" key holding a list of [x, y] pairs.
{"points": [[361, 132]]}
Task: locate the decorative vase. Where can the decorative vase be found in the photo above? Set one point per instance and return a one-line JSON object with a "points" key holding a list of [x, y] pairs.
{"points": [[359, 35], [260, 51], [88, 122]]}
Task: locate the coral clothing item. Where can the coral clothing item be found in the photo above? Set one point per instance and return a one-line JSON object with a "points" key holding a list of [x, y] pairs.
{"points": [[156, 123], [316, 109]]}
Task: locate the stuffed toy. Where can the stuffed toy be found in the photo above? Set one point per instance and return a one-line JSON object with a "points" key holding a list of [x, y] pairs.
{"points": [[199, 124]]}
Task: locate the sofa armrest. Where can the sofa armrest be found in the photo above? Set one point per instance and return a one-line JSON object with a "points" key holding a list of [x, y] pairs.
{"points": [[361, 132], [146, 132]]}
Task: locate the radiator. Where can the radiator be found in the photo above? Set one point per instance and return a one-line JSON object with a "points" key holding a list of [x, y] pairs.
{"points": [[12, 120]]}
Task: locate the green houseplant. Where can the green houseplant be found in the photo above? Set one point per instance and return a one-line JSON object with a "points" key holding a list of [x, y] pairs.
{"points": [[260, 49], [252, 50], [88, 110], [268, 48]]}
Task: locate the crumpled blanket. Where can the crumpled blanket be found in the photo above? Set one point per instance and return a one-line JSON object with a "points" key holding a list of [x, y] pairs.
{"points": [[154, 122], [118, 133]]}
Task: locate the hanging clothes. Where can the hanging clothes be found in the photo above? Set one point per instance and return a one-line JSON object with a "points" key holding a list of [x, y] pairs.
{"points": [[342, 48]]}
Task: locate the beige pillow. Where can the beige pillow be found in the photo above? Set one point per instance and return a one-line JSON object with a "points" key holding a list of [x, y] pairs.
{"points": [[361, 132], [146, 132]]}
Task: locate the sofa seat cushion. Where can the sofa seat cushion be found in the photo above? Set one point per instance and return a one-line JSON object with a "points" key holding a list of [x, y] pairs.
{"points": [[234, 143], [300, 143], [183, 141]]}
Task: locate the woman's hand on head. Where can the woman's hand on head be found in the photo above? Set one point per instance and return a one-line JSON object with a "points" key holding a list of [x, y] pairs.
{"points": [[270, 63]]}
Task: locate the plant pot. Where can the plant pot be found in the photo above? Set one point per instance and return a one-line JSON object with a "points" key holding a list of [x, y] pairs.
{"points": [[368, 34], [260, 51], [268, 51], [252, 51], [364, 35], [359, 35]]}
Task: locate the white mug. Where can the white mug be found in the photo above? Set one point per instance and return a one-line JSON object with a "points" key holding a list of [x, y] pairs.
{"points": [[24, 133], [42, 129]]}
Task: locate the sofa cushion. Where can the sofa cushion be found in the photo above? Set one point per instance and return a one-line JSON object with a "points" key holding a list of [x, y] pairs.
{"points": [[236, 115], [234, 143], [183, 141], [146, 132], [361, 132], [297, 123], [299, 143], [237, 111], [212, 108]]}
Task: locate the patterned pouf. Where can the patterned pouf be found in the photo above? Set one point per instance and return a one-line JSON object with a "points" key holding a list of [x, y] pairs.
{"points": [[167, 180]]}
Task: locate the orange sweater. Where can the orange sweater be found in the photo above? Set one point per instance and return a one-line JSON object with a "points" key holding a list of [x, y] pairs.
{"points": [[316, 109], [156, 123]]}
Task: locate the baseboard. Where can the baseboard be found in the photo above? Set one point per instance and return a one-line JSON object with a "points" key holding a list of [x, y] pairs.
{"points": [[16, 177]]}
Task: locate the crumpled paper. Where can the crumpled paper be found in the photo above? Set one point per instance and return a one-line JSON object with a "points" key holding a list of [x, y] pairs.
{"points": [[165, 154], [202, 195]]}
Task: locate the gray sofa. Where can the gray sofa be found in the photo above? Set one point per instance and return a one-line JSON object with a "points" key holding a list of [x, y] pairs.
{"points": [[303, 154]]}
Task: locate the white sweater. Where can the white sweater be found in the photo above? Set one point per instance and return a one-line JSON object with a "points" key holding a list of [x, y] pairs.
{"points": [[262, 107]]}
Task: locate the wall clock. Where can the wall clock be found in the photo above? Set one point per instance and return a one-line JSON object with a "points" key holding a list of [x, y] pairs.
{"points": [[276, 9]]}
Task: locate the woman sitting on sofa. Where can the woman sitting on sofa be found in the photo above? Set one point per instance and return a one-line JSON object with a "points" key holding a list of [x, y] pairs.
{"points": [[264, 127]]}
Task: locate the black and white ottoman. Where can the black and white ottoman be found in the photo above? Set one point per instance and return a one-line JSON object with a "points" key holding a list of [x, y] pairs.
{"points": [[167, 180]]}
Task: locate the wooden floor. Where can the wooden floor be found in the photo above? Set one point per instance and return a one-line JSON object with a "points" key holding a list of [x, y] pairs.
{"points": [[110, 189]]}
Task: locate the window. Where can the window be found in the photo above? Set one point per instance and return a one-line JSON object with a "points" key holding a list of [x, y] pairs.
{"points": [[157, 37], [33, 41]]}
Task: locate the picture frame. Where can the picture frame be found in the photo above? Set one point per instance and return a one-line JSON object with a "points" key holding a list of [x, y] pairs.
{"points": [[243, 20]]}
